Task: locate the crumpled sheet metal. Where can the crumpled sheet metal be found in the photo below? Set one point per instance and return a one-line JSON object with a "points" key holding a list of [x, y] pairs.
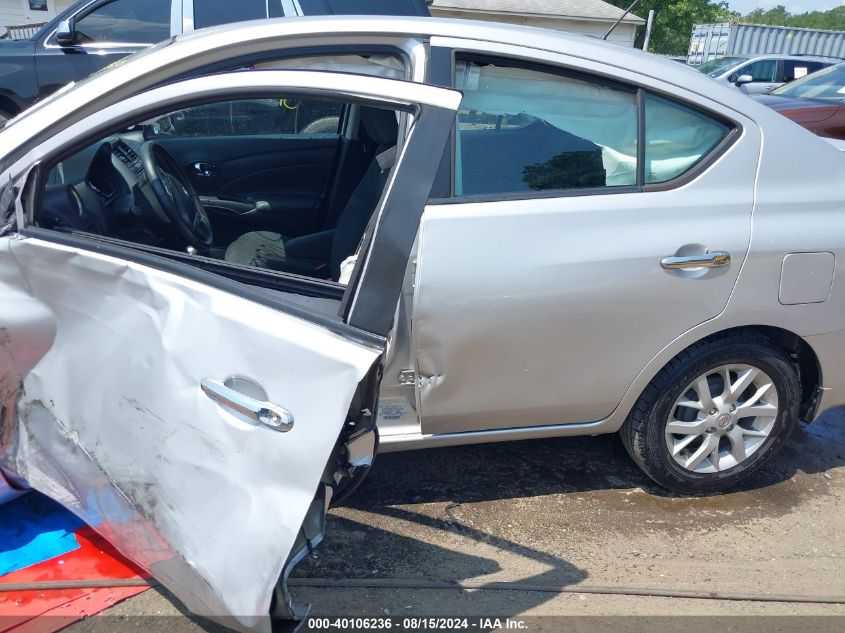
{"points": [[112, 422]]}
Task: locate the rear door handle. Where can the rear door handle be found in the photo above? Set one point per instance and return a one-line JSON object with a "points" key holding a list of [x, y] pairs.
{"points": [[273, 416], [707, 260]]}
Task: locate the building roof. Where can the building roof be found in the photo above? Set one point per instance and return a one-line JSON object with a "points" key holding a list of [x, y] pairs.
{"points": [[583, 9]]}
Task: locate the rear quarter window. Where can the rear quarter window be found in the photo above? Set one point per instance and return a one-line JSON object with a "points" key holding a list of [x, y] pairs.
{"points": [[214, 12]]}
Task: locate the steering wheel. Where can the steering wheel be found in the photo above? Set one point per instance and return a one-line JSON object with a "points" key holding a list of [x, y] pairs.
{"points": [[177, 196]]}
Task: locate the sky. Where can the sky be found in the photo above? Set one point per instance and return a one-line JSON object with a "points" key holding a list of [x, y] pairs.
{"points": [[793, 6]]}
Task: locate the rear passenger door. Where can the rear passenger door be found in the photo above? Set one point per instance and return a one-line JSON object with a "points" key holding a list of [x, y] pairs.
{"points": [[554, 272]]}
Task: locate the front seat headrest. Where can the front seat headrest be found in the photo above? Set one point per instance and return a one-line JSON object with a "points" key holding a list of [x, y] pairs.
{"points": [[380, 125]]}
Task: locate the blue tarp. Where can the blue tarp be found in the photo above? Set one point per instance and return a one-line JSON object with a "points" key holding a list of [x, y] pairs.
{"points": [[33, 529]]}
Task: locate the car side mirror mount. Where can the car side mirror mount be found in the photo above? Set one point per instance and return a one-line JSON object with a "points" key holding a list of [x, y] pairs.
{"points": [[743, 79], [66, 33]]}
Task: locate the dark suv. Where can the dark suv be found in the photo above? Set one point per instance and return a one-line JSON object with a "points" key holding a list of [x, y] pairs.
{"points": [[94, 33]]}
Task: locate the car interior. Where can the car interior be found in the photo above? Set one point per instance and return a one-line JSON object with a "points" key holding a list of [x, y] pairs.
{"points": [[275, 183]]}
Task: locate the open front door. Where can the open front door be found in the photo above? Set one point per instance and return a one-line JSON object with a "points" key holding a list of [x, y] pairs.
{"points": [[200, 424]]}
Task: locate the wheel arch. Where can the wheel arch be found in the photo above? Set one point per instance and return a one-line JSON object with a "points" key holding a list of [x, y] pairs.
{"points": [[8, 105], [805, 359]]}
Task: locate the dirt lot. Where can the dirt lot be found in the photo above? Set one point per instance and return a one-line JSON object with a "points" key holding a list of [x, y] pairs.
{"points": [[575, 512]]}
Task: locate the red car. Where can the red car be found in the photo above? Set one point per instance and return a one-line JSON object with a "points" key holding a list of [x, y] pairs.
{"points": [[816, 102]]}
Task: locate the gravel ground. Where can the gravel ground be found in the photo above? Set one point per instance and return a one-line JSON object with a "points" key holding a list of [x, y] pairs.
{"points": [[573, 511]]}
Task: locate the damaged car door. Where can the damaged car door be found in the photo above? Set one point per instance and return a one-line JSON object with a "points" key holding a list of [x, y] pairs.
{"points": [[199, 420]]}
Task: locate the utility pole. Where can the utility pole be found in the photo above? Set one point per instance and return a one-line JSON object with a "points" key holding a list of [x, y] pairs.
{"points": [[648, 26]]}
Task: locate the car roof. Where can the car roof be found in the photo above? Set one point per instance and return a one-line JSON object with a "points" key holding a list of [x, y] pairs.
{"points": [[539, 39], [183, 55], [796, 57]]}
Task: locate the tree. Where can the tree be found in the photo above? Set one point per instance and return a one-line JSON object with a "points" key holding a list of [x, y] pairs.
{"points": [[673, 21], [834, 19]]}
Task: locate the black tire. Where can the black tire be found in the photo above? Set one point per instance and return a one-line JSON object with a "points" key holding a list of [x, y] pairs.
{"points": [[643, 431], [4, 116]]}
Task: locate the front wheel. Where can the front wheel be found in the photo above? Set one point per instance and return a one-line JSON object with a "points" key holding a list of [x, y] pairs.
{"points": [[715, 414]]}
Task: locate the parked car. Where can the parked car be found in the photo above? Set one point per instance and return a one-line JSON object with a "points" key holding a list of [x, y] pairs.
{"points": [[814, 102], [92, 34], [210, 333], [760, 74]]}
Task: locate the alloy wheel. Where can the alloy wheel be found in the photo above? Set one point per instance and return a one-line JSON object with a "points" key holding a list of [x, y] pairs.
{"points": [[721, 418]]}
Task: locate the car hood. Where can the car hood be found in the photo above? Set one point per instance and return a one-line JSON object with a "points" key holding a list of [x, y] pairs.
{"points": [[800, 110]]}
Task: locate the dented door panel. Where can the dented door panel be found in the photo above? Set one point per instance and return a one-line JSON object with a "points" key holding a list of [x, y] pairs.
{"points": [[113, 424]]}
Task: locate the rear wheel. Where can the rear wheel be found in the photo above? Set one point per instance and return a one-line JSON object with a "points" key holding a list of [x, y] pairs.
{"points": [[715, 414]]}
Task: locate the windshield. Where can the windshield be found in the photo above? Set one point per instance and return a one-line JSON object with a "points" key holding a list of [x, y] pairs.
{"points": [[716, 67], [827, 84]]}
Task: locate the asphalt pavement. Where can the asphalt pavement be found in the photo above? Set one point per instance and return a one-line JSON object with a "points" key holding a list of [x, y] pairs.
{"points": [[572, 512]]}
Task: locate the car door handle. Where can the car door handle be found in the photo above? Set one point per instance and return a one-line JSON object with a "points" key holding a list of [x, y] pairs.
{"points": [[707, 260], [201, 168], [267, 414]]}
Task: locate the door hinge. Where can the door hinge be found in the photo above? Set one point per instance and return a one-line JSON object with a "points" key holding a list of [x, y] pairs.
{"points": [[407, 377]]}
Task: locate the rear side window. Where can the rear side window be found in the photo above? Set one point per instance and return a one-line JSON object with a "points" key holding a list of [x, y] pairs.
{"points": [[214, 12], [793, 69], [676, 138], [522, 130], [364, 7], [130, 21]]}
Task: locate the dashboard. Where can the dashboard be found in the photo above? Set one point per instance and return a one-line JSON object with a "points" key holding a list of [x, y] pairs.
{"points": [[103, 189]]}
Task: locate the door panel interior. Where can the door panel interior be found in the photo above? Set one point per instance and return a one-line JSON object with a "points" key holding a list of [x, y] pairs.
{"points": [[294, 186]]}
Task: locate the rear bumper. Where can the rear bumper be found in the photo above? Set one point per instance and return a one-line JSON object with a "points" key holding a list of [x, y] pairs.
{"points": [[830, 350]]}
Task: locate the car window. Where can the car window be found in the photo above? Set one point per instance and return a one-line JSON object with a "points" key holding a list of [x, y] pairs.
{"points": [[761, 70], [132, 21], [214, 12], [716, 67], [794, 69], [522, 130], [243, 181], [258, 117], [676, 138], [827, 84]]}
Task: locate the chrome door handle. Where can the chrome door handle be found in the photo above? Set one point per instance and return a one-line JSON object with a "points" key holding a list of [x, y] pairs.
{"points": [[708, 260], [268, 414]]}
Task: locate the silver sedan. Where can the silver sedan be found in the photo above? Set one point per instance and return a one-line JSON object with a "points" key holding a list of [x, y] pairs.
{"points": [[235, 266]]}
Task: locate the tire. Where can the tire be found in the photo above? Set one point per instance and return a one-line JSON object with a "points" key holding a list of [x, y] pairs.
{"points": [[4, 116], [735, 443]]}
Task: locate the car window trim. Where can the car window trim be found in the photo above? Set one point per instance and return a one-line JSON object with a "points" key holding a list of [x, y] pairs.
{"points": [[129, 251], [691, 174], [145, 251]]}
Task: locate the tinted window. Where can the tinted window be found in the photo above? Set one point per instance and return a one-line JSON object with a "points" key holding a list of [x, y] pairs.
{"points": [[364, 7], [793, 69], [258, 117], [677, 137], [521, 130], [716, 67], [134, 21], [213, 12], [828, 83], [762, 70]]}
